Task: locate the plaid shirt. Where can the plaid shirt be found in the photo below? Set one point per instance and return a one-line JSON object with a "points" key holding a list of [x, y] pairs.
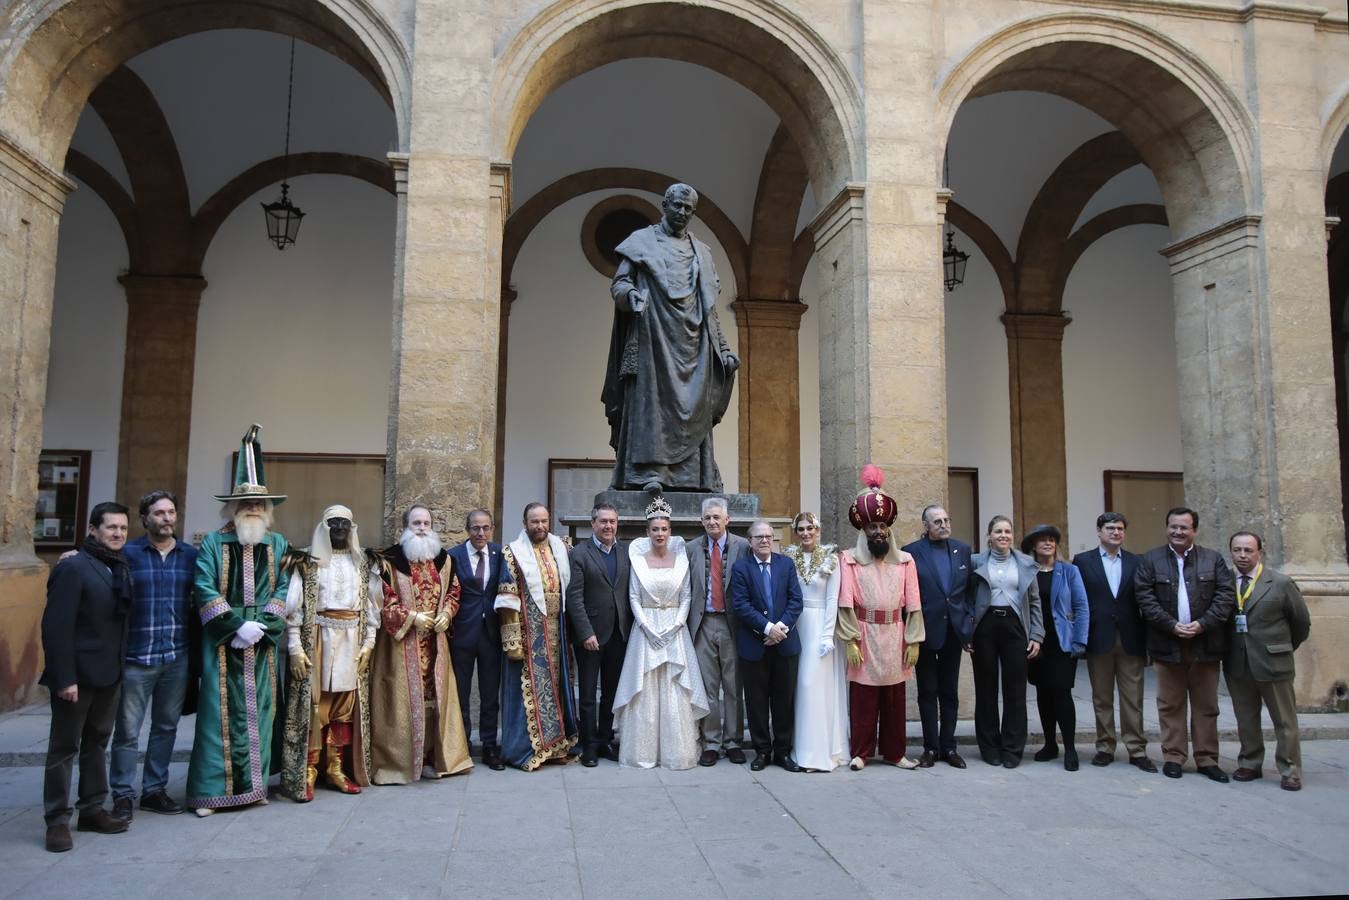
{"points": [[162, 601]]}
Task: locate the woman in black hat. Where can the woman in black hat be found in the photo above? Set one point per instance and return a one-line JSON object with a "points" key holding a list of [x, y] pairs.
{"points": [[1053, 672]]}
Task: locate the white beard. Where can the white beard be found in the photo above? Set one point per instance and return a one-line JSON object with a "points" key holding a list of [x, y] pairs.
{"points": [[420, 548], [251, 528]]}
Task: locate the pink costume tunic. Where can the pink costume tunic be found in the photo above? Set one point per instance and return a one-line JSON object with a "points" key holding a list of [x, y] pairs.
{"points": [[879, 592]]}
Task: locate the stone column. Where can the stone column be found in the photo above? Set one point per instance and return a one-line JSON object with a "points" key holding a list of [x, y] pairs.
{"points": [[161, 352], [443, 418], [32, 195], [1035, 386], [770, 402], [398, 162]]}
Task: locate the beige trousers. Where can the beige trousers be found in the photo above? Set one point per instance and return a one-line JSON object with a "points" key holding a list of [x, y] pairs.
{"points": [[1108, 671], [1197, 683], [1277, 696]]}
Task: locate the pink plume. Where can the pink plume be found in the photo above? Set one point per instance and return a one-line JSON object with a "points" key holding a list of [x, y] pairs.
{"points": [[872, 476]]}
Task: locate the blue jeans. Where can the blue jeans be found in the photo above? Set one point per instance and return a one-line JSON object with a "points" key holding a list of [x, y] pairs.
{"points": [[162, 689]]}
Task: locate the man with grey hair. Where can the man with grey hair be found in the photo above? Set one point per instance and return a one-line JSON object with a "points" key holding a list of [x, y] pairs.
{"points": [[712, 628], [670, 370]]}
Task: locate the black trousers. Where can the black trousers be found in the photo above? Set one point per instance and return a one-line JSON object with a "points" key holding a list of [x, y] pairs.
{"points": [[79, 729], [1000, 650], [770, 690], [938, 674], [599, 668], [486, 656]]}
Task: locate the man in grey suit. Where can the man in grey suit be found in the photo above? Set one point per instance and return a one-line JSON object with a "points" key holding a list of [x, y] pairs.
{"points": [[1271, 621], [599, 615], [712, 626]]}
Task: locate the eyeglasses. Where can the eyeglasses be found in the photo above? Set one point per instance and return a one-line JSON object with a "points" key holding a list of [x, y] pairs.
{"points": [[480, 529], [760, 537]]}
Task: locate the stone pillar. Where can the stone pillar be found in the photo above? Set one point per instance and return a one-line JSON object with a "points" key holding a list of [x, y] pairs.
{"points": [[398, 162], [32, 195], [770, 403], [443, 417], [161, 352], [1035, 386]]}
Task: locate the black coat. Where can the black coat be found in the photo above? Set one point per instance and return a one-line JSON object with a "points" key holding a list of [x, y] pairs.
{"points": [[1212, 595], [83, 626], [596, 605], [1112, 616], [937, 591]]}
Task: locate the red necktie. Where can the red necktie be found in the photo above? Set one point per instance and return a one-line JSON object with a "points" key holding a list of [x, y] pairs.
{"points": [[718, 591]]}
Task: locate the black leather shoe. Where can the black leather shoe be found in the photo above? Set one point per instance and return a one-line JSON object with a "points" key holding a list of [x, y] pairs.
{"points": [[97, 819], [609, 752], [159, 802], [1070, 760], [1213, 773], [954, 760], [1102, 758], [121, 809], [588, 758], [1171, 770], [1011, 762], [992, 759], [736, 755], [760, 762], [1047, 752], [491, 758], [1144, 764], [785, 761], [927, 760], [709, 758]]}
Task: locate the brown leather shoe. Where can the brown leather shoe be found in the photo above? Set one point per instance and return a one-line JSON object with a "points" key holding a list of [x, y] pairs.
{"points": [[58, 839], [1246, 774], [97, 819], [954, 760], [709, 758], [1290, 783], [927, 760]]}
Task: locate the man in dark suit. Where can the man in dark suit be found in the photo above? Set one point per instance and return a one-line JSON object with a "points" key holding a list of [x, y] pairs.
{"points": [[1116, 642], [1270, 623], [943, 568], [84, 642], [599, 616], [1185, 593], [712, 628], [766, 597], [476, 637]]}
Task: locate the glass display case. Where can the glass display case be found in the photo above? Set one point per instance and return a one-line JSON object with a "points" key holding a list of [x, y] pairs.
{"points": [[62, 499]]}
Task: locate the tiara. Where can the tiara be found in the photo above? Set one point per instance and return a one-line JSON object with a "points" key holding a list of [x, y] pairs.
{"points": [[659, 509]]}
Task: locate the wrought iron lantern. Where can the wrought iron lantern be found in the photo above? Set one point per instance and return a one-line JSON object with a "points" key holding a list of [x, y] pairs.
{"points": [[953, 263], [283, 217]]}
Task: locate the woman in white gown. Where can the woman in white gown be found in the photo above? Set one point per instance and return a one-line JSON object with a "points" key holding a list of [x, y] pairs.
{"points": [[821, 733], [660, 694]]}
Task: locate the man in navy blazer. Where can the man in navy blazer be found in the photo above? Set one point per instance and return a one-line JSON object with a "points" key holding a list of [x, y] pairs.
{"points": [[1116, 642], [943, 569], [476, 638], [766, 597]]}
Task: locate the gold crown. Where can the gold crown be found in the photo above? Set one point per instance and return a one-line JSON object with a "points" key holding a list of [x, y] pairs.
{"points": [[658, 508]]}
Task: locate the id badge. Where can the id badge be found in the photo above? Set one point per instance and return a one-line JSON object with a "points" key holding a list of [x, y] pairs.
{"points": [[1240, 622]]}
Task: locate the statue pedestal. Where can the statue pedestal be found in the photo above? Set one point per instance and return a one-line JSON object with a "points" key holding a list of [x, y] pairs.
{"points": [[687, 506]]}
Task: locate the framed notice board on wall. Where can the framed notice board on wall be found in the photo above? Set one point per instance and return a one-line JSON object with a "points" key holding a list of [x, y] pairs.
{"points": [[62, 507], [573, 484], [314, 481], [1144, 498]]}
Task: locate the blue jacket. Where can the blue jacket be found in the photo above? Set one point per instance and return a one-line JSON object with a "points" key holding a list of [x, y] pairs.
{"points": [[476, 605], [755, 611], [939, 589], [1072, 615], [1112, 615]]}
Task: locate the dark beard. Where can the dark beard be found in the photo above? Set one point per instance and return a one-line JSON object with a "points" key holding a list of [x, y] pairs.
{"points": [[879, 548]]}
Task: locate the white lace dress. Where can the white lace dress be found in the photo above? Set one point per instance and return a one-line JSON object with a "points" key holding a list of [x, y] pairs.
{"points": [[660, 694], [821, 733]]}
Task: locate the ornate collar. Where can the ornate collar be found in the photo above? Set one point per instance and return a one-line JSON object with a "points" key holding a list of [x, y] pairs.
{"points": [[823, 560]]}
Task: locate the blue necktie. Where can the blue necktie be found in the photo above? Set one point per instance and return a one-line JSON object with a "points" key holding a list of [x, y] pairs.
{"points": [[768, 587]]}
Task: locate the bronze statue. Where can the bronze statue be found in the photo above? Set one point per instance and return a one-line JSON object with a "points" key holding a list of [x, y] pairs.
{"points": [[670, 372]]}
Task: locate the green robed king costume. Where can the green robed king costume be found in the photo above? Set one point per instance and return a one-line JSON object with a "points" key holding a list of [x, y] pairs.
{"points": [[232, 750]]}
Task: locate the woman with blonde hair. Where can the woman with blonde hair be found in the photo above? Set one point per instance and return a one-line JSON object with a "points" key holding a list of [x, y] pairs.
{"points": [[821, 740]]}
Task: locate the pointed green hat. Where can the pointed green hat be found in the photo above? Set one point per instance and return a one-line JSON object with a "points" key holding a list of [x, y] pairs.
{"points": [[249, 483]]}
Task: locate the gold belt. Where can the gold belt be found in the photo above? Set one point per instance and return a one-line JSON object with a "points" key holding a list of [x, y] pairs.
{"points": [[880, 616]]}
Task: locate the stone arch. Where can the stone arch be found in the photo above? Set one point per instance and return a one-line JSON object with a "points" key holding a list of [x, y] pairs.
{"points": [[764, 47], [1334, 125], [1191, 130], [61, 50]]}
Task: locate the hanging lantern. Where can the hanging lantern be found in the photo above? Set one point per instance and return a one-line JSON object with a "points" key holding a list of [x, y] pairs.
{"points": [[283, 219], [953, 263]]}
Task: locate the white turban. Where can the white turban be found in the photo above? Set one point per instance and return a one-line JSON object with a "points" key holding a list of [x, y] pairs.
{"points": [[321, 547]]}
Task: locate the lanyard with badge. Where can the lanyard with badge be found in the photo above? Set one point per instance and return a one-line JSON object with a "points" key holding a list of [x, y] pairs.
{"points": [[1240, 619]]}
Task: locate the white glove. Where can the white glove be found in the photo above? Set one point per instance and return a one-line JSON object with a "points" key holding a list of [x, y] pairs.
{"points": [[826, 648], [250, 633], [239, 643]]}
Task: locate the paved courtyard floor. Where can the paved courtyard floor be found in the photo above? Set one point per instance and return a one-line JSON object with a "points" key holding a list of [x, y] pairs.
{"points": [[567, 831]]}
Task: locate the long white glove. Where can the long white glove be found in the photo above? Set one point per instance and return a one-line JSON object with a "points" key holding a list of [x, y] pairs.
{"points": [[826, 647], [250, 633]]}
